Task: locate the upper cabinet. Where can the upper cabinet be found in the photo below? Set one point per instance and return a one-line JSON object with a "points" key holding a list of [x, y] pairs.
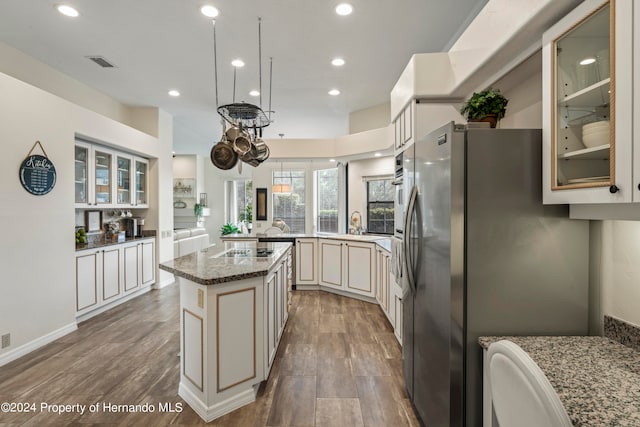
{"points": [[109, 179], [587, 104], [403, 128]]}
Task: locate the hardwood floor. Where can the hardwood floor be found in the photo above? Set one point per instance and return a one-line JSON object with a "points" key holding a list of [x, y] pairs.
{"points": [[338, 365]]}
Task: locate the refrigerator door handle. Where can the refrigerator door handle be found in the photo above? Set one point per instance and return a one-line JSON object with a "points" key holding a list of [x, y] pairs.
{"points": [[408, 255]]}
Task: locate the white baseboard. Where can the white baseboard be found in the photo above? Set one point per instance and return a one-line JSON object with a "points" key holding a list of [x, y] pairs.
{"points": [[102, 309], [37, 343], [169, 281], [210, 413]]}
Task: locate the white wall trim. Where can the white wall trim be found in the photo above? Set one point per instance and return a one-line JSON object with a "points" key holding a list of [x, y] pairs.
{"points": [[212, 412], [24, 349], [111, 305], [167, 282]]}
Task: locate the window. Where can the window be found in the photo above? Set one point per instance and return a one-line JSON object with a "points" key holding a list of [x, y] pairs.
{"points": [[290, 207], [240, 197], [380, 194], [327, 200]]}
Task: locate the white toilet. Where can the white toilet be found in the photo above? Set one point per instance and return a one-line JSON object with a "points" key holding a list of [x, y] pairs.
{"points": [[521, 393]]}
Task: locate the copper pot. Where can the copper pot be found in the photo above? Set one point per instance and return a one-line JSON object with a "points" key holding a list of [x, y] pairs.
{"points": [[223, 156]]}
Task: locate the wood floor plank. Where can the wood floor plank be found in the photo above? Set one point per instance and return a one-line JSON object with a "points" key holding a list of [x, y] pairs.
{"points": [[338, 413], [337, 365]]}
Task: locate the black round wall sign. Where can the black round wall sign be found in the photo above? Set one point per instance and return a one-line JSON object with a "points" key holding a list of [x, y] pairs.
{"points": [[37, 174]]}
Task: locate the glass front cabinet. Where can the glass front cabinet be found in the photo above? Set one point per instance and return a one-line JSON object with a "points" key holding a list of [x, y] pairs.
{"points": [[587, 105], [105, 178]]}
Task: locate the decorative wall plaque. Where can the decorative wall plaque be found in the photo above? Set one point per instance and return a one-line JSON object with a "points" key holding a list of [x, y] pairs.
{"points": [[37, 173]]}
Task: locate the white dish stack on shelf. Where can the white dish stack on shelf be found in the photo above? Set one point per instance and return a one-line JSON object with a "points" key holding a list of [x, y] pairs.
{"points": [[596, 134]]}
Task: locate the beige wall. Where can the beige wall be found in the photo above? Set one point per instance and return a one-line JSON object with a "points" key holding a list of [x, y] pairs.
{"points": [[37, 255], [370, 118]]}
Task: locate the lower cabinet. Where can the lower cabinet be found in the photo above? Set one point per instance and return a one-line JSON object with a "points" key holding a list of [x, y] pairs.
{"points": [[349, 266], [104, 275], [306, 261], [397, 311], [276, 309], [383, 283]]}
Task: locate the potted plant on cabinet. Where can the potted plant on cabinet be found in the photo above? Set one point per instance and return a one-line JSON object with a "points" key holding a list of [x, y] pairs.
{"points": [[228, 229], [486, 106]]}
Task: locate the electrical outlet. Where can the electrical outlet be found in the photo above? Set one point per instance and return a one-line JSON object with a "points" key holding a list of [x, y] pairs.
{"points": [[6, 340]]}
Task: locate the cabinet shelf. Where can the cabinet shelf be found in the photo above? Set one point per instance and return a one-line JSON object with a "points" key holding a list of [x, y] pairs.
{"points": [[600, 152], [595, 95]]}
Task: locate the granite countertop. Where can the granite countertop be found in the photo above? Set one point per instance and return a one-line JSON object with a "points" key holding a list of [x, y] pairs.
{"points": [[597, 379], [102, 243], [206, 267], [382, 241]]}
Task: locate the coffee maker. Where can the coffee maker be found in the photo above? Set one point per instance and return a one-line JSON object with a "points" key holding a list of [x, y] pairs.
{"points": [[134, 227]]}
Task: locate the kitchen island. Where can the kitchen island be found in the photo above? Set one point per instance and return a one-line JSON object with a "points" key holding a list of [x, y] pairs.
{"points": [[233, 309]]}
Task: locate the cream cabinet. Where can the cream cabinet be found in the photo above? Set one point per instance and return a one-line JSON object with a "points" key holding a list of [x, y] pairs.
{"points": [[98, 278], [397, 311], [332, 263], [306, 261], [383, 282], [360, 263], [112, 272], [276, 309], [588, 144], [348, 266], [403, 127], [106, 178]]}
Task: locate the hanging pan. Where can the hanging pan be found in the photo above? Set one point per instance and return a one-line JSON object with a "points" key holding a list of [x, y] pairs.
{"points": [[223, 156]]}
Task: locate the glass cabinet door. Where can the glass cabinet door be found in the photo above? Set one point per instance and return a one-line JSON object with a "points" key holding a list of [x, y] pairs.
{"points": [[583, 110], [81, 174], [123, 180], [102, 177], [141, 182]]}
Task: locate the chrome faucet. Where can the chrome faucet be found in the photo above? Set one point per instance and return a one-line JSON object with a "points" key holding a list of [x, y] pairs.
{"points": [[356, 222]]}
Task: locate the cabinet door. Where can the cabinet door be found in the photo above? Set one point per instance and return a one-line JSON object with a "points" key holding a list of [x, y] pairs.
{"points": [[331, 259], [103, 176], [141, 183], [306, 261], [587, 104], [271, 319], [398, 133], [82, 174], [87, 267], [360, 266], [131, 265], [397, 300], [147, 263], [123, 180], [408, 124], [110, 273]]}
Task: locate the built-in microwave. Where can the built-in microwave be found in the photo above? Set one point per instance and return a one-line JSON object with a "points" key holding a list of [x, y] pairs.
{"points": [[398, 201]]}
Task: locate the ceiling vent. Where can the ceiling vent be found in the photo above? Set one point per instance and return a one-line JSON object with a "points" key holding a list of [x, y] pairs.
{"points": [[101, 61]]}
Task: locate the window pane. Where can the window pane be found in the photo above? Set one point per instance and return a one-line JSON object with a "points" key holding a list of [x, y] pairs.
{"points": [[244, 200], [290, 207], [327, 203], [380, 194]]}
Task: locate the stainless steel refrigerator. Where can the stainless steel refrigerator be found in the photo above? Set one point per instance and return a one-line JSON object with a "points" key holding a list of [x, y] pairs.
{"points": [[483, 256]]}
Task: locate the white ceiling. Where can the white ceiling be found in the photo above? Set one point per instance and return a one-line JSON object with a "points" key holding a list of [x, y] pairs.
{"points": [[158, 45]]}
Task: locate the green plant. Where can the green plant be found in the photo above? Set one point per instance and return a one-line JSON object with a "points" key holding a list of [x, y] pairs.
{"points": [[198, 209], [246, 215], [489, 101], [228, 228]]}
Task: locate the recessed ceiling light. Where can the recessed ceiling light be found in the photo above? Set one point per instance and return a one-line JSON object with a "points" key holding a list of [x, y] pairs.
{"points": [[209, 11], [338, 62], [254, 93], [378, 154], [334, 92], [332, 160], [174, 93], [344, 9], [67, 10], [587, 61], [237, 63]]}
